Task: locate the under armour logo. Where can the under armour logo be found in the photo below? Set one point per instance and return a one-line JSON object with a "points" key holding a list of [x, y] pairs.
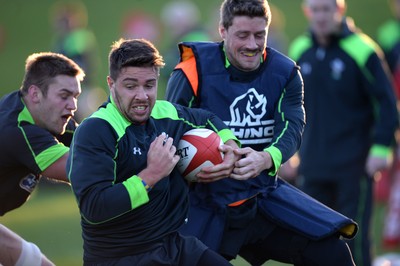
{"points": [[136, 150]]}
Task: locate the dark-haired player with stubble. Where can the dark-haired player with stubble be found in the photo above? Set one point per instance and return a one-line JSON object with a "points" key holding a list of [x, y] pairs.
{"points": [[36, 124], [131, 197]]}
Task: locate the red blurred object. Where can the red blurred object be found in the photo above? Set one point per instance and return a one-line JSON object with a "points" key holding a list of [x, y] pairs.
{"points": [[391, 229], [382, 186]]}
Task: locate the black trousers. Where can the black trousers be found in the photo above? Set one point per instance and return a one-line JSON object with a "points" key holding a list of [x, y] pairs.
{"points": [[353, 197]]}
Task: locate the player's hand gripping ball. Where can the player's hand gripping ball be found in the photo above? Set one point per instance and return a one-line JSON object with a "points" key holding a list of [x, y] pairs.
{"points": [[198, 148]]}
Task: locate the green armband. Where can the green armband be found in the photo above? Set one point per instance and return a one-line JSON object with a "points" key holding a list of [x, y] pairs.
{"points": [[276, 157], [138, 194]]}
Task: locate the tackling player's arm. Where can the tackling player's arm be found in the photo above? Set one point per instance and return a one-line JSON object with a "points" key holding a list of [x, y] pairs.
{"points": [[56, 170]]}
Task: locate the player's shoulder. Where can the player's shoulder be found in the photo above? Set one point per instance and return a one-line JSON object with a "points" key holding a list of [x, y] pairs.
{"points": [[388, 34], [11, 105], [105, 119], [299, 45], [165, 109], [389, 27], [360, 47]]}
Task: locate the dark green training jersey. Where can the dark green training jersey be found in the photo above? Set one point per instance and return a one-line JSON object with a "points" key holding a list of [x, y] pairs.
{"points": [[349, 101], [27, 150], [119, 217]]}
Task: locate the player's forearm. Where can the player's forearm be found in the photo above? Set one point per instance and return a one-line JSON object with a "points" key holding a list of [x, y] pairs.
{"points": [[100, 203], [56, 171]]}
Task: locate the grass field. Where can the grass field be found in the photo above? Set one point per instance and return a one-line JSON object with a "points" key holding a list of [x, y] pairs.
{"points": [[51, 220]]}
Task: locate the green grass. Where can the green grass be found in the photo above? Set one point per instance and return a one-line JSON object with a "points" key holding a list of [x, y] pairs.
{"points": [[51, 220]]}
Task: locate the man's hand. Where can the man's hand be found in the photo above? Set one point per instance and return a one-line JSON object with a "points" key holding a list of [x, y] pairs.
{"points": [[222, 170], [252, 163], [219, 171], [375, 164], [161, 159]]}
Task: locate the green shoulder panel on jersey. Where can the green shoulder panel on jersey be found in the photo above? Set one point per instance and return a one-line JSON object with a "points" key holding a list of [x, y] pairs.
{"points": [[164, 109], [24, 115], [48, 156], [112, 115], [389, 34], [360, 47], [300, 44]]}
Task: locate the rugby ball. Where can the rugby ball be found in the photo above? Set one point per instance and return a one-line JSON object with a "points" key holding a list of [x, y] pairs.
{"points": [[198, 148]]}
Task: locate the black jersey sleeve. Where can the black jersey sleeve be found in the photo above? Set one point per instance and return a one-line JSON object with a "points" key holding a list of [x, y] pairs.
{"points": [[290, 118]]}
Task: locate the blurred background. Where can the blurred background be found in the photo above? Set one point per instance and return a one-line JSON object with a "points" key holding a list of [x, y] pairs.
{"points": [[33, 26], [84, 30]]}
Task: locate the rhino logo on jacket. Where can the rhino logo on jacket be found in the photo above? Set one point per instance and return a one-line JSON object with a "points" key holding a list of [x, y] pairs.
{"points": [[248, 109], [248, 121]]}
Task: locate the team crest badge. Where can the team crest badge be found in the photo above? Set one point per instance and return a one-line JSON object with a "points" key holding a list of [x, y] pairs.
{"points": [[29, 182]]}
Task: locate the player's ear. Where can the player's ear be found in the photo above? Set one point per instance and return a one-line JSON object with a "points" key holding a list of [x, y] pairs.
{"points": [[110, 82], [34, 93], [342, 7], [222, 31], [306, 10]]}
